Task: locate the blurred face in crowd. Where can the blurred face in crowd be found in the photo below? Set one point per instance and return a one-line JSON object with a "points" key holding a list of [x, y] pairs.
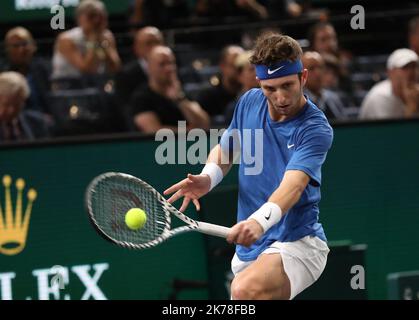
{"points": [[403, 77], [228, 68], [325, 40], [162, 65], [20, 49], [10, 106], [247, 77], [284, 95], [314, 64], [92, 21], [145, 40]]}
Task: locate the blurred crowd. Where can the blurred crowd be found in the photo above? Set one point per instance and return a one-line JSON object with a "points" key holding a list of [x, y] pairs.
{"points": [[87, 88]]}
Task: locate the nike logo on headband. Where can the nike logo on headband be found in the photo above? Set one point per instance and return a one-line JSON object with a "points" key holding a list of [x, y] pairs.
{"points": [[274, 70]]}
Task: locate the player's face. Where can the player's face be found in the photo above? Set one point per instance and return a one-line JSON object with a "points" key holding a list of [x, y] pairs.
{"points": [[285, 95]]}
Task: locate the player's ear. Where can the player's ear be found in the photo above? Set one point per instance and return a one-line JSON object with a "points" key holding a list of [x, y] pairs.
{"points": [[304, 76]]}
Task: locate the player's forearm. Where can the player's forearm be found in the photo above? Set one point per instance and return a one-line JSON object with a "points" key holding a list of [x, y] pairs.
{"points": [[290, 190], [223, 160], [282, 199]]}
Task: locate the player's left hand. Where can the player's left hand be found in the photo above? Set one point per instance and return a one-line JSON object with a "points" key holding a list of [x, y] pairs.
{"points": [[245, 232]]}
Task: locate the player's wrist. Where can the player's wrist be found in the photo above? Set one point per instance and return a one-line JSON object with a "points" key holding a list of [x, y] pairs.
{"points": [[214, 172], [267, 215]]}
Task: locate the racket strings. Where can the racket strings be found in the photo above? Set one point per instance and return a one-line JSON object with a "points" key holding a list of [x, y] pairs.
{"points": [[114, 196]]}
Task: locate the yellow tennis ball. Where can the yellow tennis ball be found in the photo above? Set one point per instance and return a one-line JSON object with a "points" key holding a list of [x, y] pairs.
{"points": [[135, 218]]}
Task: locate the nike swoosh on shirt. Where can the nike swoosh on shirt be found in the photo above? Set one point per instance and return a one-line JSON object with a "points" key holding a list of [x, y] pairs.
{"points": [[289, 146], [274, 70]]}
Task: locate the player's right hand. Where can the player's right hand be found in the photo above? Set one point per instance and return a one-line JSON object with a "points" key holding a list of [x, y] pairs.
{"points": [[191, 188], [245, 233]]}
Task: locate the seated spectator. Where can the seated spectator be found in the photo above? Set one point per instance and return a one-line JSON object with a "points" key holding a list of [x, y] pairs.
{"points": [[414, 34], [331, 72], [323, 39], [89, 48], [162, 103], [134, 74], [328, 101], [247, 79], [20, 49], [215, 100], [398, 96], [331, 81], [17, 124]]}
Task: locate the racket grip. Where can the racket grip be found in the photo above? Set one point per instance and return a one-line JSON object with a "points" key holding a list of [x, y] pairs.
{"points": [[213, 229]]}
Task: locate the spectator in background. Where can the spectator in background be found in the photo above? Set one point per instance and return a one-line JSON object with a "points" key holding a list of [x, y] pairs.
{"points": [[134, 74], [163, 103], [398, 96], [89, 48], [328, 101], [331, 81], [16, 123], [215, 100], [331, 72], [20, 49], [323, 39], [247, 79], [414, 34]]}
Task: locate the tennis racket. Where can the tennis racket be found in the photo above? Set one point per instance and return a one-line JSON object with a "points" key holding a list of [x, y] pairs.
{"points": [[110, 195]]}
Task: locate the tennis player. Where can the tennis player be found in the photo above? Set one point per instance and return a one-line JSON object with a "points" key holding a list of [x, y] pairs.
{"points": [[281, 247]]}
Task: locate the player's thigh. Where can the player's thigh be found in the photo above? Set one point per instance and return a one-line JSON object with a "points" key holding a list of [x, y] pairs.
{"points": [[265, 278]]}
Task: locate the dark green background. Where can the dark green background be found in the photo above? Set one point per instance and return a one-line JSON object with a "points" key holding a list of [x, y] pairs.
{"points": [[370, 195]]}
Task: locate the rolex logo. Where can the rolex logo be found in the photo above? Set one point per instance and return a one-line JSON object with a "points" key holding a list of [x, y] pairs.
{"points": [[14, 224]]}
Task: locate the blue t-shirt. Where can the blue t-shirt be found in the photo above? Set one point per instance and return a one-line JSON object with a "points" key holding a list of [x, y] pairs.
{"points": [[299, 143]]}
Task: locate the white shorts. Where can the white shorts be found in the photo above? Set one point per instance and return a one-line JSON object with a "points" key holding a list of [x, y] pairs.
{"points": [[304, 261]]}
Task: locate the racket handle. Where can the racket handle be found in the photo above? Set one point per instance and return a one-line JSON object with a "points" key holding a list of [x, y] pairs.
{"points": [[213, 229]]}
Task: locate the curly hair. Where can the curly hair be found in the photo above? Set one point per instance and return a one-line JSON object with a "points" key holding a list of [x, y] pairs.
{"points": [[274, 47]]}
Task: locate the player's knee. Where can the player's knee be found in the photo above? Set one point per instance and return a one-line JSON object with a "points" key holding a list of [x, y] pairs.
{"points": [[248, 288], [244, 289]]}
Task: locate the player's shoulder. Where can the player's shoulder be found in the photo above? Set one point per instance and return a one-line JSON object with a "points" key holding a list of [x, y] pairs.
{"points": [[315, 119], [253, 95], [251, 98]]}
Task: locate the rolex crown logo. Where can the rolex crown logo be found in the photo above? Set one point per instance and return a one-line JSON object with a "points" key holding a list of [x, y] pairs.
{"points": [[14, 224]]}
